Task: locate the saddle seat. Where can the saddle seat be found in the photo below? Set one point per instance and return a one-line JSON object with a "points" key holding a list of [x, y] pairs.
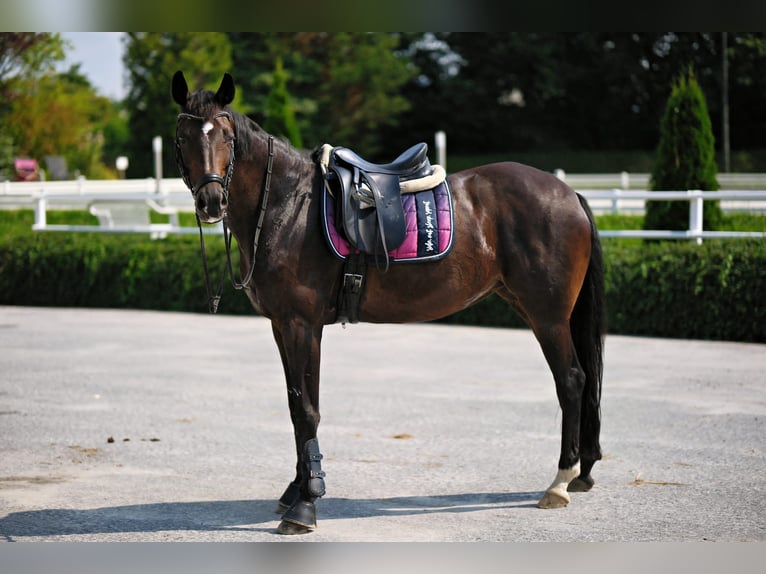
{"points": [[412, 163]]}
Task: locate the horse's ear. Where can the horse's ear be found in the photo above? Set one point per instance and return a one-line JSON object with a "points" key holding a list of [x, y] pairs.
{"points": [[225, 93], [180, 89]]}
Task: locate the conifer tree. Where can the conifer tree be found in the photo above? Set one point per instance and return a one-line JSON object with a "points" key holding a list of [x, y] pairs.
{"points": [[685, 157], [280, 115]]}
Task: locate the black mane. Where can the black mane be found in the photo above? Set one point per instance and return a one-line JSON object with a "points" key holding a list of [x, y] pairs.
{"points": [[247, 131]]}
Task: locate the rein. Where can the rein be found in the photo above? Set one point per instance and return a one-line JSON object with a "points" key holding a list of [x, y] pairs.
{"points": [[214, 300]]}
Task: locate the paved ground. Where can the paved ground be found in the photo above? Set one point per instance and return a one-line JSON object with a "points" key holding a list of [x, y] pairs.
{"points": [[143, 426]]}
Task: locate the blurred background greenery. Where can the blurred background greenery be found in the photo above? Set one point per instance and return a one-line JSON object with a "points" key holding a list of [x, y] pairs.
{"points": [[580, 101]]}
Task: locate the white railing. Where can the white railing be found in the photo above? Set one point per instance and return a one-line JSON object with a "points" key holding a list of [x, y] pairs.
{"points": [[123, 206], [695, 199], [638, 180]]}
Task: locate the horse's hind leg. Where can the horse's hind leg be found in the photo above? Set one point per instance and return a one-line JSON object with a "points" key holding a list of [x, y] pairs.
{"points": [[558, 348]]}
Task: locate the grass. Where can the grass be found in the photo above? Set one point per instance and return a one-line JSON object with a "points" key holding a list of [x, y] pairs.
{"points": [[730, 222]]}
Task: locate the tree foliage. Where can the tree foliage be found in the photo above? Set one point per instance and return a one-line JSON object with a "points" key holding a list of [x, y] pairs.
{"points": [[380, 92], [345, 87], [25, 54], [48, 112], [58, 116], [685, 157], [280, 114]]}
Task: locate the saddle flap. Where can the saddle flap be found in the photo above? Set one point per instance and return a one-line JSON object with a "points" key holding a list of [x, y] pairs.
{"points": [[372, 212]]}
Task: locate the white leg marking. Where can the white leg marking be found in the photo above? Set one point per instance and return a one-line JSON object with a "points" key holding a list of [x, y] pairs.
{"points": [[558, 488]]}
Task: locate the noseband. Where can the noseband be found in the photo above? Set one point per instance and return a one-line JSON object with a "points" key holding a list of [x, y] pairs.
{"points": [[206, 178]]}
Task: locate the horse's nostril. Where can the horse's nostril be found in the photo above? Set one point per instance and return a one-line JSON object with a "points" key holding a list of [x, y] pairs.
{"points": [[201, 204], [224, 202]]}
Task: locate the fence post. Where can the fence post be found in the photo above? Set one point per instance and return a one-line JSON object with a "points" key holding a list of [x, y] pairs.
{"points": [[624, 179], [40, 208], [157, 149], [440, 140], [616, 200], [695, 213]]}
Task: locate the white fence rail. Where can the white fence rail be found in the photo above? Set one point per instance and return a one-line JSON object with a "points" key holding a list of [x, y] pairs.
{"points": [[124, 206], [638, 181], [121, 206], [695, 199]]}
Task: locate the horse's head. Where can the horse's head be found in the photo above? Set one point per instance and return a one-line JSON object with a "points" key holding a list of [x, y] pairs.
{"points": [[205, 145]]}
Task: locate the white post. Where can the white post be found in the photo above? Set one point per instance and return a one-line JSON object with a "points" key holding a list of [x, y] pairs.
{"points": [[625, 179], [157, 147], [121, 163], [695, 214], [40, 215], [561, 174], [440, 141], [616, 200]]}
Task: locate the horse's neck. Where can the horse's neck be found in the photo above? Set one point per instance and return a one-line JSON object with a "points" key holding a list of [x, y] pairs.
{"points": [[292, 173]]}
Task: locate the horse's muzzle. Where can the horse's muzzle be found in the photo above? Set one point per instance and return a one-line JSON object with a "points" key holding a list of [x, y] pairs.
{"points": [[210, 202]]}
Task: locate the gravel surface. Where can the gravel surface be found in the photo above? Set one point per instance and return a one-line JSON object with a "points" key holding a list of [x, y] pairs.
{"points": [[149, 426]]}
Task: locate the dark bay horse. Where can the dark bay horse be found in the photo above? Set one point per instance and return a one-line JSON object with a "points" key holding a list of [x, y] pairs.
{"points": [[518, 232]]}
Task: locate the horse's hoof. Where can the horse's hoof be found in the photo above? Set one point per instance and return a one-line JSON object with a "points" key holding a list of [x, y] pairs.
{"points": [[290, 528], [553, 500], [300, 518], [580, 484]]}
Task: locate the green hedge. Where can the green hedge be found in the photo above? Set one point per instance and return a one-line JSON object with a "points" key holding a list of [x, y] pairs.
{"points": [[125, 271], [716, 290]]}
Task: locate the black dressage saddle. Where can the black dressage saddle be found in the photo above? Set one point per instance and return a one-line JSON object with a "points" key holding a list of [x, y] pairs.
{"points": [[368, 196]]}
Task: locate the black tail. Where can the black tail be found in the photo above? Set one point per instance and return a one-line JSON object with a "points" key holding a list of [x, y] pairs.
{"points": [[588, 327]]}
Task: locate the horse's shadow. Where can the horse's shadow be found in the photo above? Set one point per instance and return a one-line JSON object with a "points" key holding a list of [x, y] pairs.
{"points": [[236, 515]]}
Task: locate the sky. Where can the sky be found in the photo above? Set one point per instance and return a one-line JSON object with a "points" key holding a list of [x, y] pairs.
{"points": [[100, 56]]}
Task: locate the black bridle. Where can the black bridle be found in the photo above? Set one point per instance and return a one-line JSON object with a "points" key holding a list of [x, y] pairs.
{"points": [[224, 182], [205, 178]]}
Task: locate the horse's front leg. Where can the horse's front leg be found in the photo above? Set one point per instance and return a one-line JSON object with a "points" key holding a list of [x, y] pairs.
{"points": [[299, 343]]}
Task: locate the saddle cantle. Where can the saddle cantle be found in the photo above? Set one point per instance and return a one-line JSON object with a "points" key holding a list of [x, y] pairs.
{"points": [[368, 196]]}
